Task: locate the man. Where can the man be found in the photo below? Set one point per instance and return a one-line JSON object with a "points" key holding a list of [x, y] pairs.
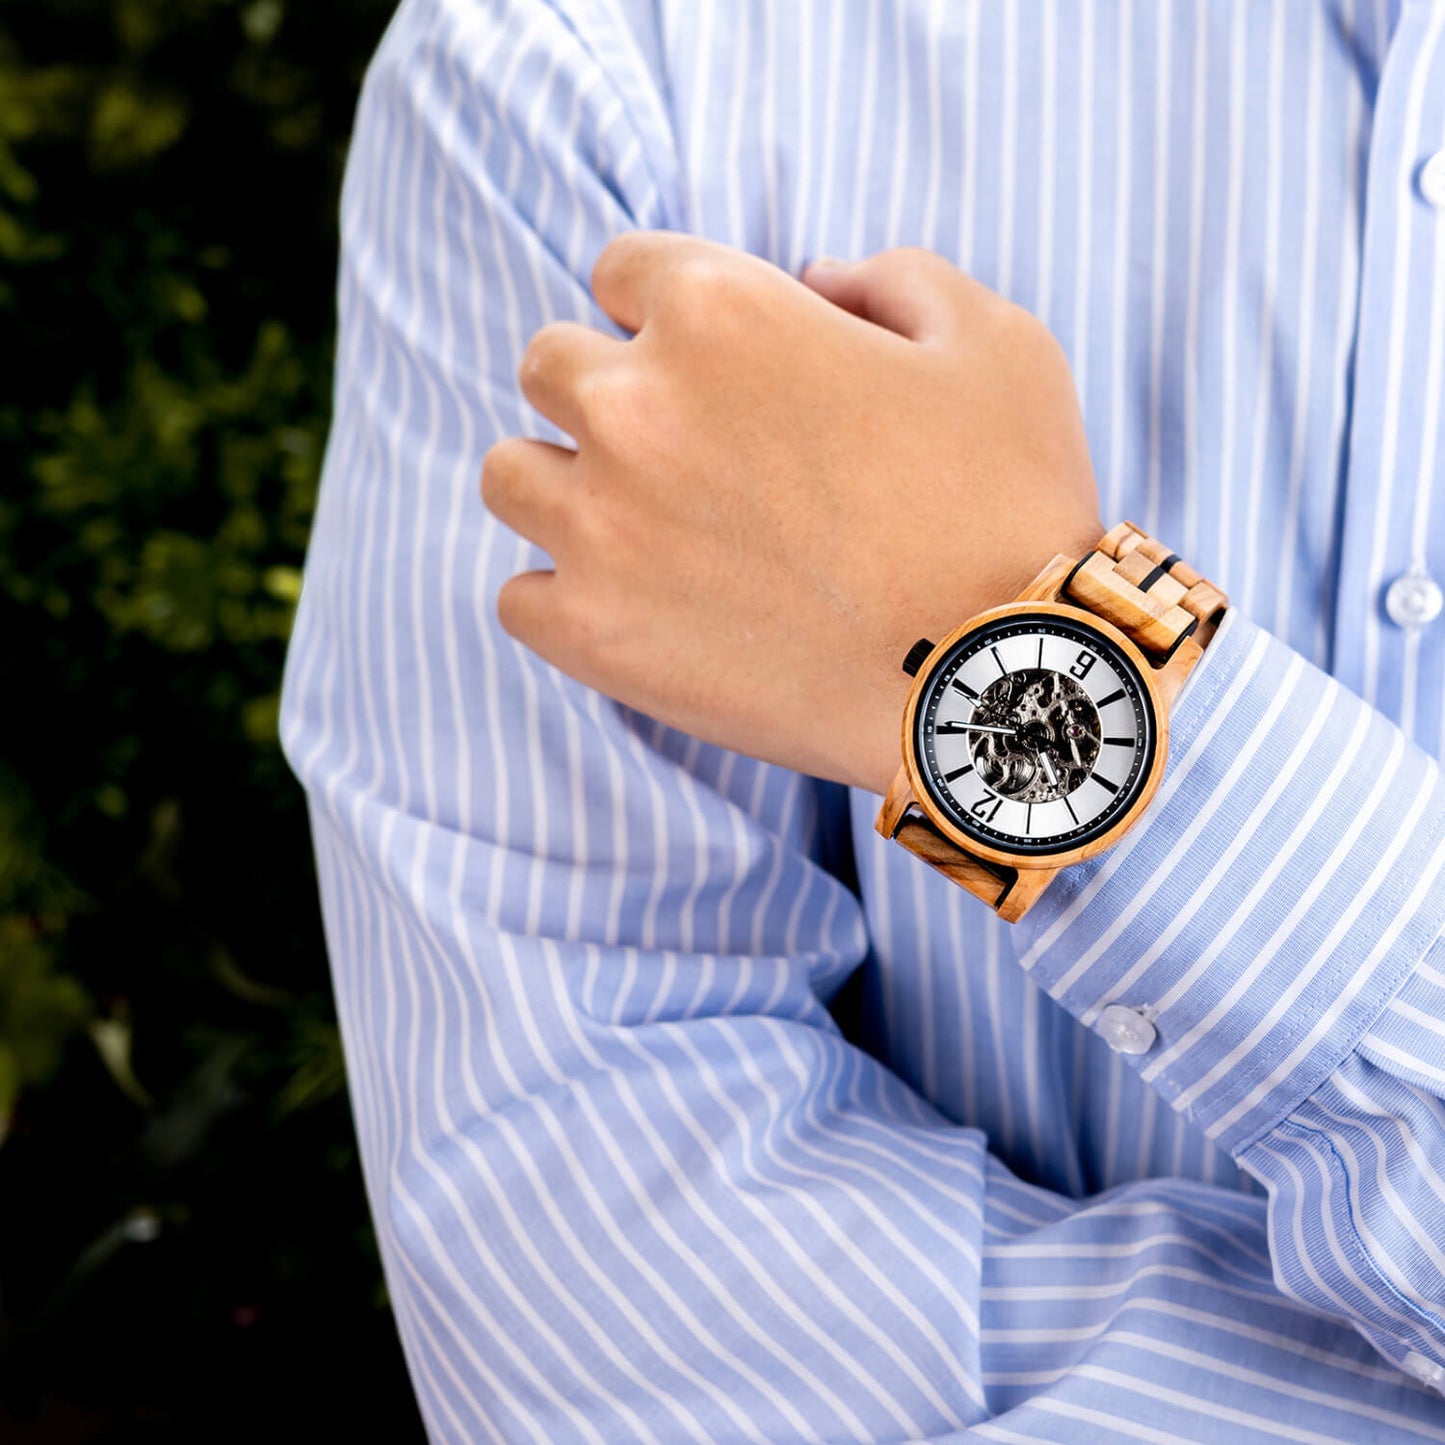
{"points": [[589, 892]]}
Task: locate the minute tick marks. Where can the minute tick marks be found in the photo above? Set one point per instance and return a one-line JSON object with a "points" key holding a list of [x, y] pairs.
{"points": [[1008, 768]]}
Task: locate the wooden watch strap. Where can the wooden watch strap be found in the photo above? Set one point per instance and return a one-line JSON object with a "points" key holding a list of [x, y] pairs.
{"points": [[1134, 581], [989, 881]]}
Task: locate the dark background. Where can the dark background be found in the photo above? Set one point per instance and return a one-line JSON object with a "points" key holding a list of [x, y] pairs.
{"points": [[184, 1245]]}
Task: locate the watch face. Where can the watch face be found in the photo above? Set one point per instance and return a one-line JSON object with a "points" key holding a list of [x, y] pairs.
{"points": [[1035, 734]]}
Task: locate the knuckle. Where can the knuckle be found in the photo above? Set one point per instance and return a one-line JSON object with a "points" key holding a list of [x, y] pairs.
{"points": [[511, 607], [1051, 348], [530, 369], [1020, 320], [1015, 317], [705, 289], [612, 400], [1022, 332], [921, 262], [611, 259], [919, 256], [539, 356], [699, 271], [601, 390], [1044, 347]]}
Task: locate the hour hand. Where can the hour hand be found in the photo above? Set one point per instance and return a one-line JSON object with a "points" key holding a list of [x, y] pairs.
{"points": [[1050, 772]]}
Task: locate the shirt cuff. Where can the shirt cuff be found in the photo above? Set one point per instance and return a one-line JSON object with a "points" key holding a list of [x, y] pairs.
{"points": [[1272, 898]]}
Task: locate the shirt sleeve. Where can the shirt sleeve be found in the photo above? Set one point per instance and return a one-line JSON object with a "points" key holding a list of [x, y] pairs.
{"points": [[629, 1180], [1272, 919]]}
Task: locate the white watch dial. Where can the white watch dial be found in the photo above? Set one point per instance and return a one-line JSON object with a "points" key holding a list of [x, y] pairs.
{"points": [[1035, 733]]}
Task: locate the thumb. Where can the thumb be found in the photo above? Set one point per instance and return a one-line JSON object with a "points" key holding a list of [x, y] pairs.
{"points": [[907, 289]]}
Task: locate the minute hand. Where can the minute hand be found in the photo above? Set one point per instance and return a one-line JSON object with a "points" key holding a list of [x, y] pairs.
{"points": [[953, 727]]}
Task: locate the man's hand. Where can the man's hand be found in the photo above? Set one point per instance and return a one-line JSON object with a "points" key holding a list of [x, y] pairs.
{"points": [[779, 486]]}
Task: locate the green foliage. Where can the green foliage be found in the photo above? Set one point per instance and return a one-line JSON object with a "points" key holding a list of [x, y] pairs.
{"points": [[39, 1009], [182, 1221]]}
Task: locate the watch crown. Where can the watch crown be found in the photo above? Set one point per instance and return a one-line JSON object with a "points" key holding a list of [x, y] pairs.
{"points": [[916, 654]]}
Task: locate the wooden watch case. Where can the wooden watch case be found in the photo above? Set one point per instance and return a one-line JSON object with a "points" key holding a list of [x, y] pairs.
{"points": [[1012, 882]]}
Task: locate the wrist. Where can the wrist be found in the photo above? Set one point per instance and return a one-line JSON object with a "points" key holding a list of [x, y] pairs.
{"points": [[882, 755]]}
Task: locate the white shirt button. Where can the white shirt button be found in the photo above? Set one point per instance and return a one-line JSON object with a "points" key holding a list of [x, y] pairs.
{"points": [[1413, 600], [1125, 1030], [1432, 179], [1426, 1371]]}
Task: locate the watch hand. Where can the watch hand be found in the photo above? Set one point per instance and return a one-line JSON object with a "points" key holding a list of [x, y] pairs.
{"points": [[960, 727], [1047, 763]]}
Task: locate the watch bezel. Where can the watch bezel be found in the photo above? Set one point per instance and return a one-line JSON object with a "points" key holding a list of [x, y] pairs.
{"points": [[922, 793]]}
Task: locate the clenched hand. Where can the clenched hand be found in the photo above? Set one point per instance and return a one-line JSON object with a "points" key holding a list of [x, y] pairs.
{"points": [[778, 485]]}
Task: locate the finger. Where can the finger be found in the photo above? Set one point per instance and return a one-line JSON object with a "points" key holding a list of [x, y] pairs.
{"points": [[555, 366], [527, 610], [528, 485], [632, 269], [915, 292]]}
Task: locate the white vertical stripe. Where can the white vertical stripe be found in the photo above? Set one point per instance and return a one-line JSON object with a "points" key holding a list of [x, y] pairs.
{"points": [[1112, 487], [1159, 261], [1267, 311]]}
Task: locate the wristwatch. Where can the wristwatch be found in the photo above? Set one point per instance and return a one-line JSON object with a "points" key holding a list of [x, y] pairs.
{"points": [[1035, 733]]}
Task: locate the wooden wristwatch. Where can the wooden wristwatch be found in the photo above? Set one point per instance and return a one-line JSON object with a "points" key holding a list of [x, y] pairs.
{"points": [[1035, 733]]}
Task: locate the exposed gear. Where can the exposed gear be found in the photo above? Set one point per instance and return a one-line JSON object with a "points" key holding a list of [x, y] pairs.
{"points": [[1055, 741]]}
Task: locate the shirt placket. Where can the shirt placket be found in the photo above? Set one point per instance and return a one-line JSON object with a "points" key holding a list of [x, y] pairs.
{"points": [[1388, 639]]}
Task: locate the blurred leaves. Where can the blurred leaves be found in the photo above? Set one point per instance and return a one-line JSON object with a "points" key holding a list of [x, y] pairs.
{"points": [[318, 1070], [40, 1008], [181, 1210], [129, 125], [112, 1039]]}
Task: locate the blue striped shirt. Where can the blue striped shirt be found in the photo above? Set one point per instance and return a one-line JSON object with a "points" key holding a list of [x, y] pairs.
{"points": [[691, 1109]]}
